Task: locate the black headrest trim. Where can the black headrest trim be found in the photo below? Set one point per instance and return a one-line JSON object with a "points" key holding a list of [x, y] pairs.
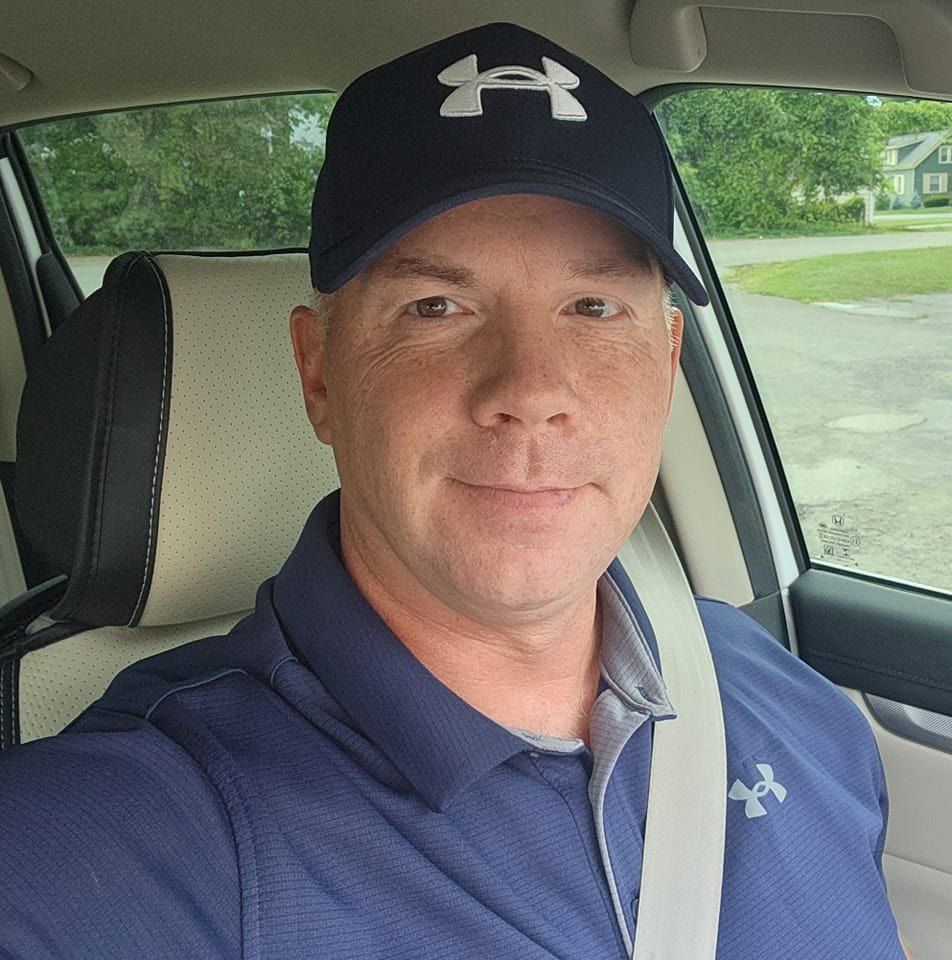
{"points": [[91, 439]]}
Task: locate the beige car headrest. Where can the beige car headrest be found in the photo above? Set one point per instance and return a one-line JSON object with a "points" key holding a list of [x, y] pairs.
{"points": [[166, 462]]}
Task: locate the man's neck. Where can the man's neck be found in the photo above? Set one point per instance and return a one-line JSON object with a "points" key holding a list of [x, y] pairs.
{"points": [[541, 676], [536, 682]]}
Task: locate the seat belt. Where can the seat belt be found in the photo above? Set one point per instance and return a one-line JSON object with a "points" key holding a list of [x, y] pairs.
{"points": [[683, 860]]}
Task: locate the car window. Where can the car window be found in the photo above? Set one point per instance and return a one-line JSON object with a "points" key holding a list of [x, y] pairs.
{"points": [[828, 219], [221, 175]]}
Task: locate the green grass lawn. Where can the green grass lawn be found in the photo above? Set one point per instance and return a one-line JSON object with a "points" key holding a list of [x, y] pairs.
{"points": [[900, 211], [904, 226], [851, 276]]}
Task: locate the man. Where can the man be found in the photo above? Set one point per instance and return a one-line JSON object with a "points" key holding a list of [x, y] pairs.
{"points": [[432, 737]]}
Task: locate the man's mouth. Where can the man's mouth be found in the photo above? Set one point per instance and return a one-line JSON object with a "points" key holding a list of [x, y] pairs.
{"points": [[523, 496]]}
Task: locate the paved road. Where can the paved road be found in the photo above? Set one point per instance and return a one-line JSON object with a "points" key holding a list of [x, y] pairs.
{"points": [[733, 253], [861, 408], [860, 401]]}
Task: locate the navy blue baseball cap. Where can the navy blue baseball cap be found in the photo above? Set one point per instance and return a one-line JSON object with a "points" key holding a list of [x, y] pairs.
{"points": [[493, 110]]}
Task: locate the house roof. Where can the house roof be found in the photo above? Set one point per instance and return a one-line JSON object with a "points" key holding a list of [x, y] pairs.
{"points": [[929, 142], [904, 139]]}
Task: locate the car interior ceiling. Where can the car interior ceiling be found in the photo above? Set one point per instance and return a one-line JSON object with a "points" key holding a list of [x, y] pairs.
{"points": [[254, 49]]}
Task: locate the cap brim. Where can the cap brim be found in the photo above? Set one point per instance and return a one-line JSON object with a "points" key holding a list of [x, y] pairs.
{"points": [[332, 268]]}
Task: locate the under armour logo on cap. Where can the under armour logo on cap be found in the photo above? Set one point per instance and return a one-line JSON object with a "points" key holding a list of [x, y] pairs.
{"points": [[467, 100], [753, 807]]}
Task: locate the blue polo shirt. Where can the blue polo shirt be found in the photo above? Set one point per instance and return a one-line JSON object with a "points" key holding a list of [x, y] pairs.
{"points": [[304, 788]]}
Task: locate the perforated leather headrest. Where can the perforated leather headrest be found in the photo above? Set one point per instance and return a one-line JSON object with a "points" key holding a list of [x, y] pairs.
{"points": [[165, 460]]}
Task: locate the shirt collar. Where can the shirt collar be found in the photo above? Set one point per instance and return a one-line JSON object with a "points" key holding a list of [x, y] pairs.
{"points": [[438, 741], [629, 651], [628, 658]]}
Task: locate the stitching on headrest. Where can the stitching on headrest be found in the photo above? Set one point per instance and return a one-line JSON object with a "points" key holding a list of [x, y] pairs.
{"points": [[140, 602]]}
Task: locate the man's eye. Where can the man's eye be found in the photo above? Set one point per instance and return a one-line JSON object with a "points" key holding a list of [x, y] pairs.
{"points": [[434, 307], [599, 307]]}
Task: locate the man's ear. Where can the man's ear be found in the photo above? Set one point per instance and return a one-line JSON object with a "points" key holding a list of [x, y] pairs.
{"points": [[310, 355], [675, 335]]}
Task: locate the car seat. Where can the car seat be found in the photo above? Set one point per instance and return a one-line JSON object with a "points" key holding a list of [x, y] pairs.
{"points": [[165, 467]]}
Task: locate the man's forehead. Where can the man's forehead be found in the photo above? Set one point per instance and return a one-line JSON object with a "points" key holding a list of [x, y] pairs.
{"points": [[396, 265], [576, 240], [635, 254]]}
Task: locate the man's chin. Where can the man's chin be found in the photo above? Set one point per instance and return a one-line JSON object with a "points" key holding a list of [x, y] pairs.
{"points": [[515, 581]]}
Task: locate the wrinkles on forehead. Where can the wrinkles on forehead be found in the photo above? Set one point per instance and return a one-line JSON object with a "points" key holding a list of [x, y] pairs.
{"points": [[612, 266], [605, 266], [432, 267]]}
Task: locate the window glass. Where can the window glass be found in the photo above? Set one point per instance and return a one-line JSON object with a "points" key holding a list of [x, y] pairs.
{"points": [[225, 175], [838, 274]]}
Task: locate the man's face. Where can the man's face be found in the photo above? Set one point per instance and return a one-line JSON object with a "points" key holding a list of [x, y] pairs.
{"points": [[495, 386]]}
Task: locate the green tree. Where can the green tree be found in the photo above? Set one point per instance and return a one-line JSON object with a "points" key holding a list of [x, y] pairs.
{"points": [[83, 183], [726, 148], [838, 143], [769, 159], [227, 175], [897, 117]]}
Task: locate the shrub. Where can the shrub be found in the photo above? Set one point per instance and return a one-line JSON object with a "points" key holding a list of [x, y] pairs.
{"points": [[853, 210], [935, 202], [827, 210]]}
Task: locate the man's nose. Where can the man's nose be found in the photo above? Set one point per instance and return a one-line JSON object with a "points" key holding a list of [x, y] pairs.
{"points": [[526, 374]]}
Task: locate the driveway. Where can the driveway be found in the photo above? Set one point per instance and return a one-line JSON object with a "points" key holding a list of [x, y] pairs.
{"points": [[860, 403]]}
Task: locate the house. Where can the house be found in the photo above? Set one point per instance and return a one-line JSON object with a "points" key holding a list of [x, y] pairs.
{"points": [[918, 163]]}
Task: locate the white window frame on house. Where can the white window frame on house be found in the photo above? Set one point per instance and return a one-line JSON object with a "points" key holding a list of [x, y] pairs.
{"points": [[943, 183], [892, 157], [899, 183], [945, 153]]}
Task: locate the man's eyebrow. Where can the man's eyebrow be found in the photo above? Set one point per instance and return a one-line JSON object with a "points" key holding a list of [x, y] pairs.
{"points": [[396, 268], [605, 266]]}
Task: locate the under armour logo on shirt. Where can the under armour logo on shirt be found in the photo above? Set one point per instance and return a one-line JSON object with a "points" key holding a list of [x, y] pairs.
{"points": [[753, 807], [467, 100]]}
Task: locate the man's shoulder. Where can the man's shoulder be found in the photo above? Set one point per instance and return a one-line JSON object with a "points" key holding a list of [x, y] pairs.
{"points": [[754, 666], [775, 705], [248, 654], [806, 787], [128, 831], [119, 760], [143, 745], [130, 805]]}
